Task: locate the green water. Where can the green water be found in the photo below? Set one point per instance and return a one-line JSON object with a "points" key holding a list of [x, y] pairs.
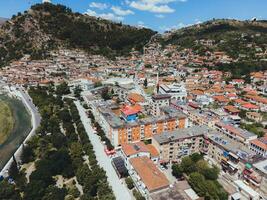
{"points": [[19, 133]]}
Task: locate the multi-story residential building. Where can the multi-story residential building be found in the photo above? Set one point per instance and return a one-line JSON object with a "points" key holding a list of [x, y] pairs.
{"points": [[176, 90], [121, 131], [173, 145], [259, 146], [159, 101], [146, 176], [229, 153], [238, 134]]}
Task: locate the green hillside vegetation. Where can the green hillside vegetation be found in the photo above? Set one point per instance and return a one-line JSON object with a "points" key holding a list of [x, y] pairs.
{"points": [[47, 26], [238, 39], [6, 121], [231, 36]]}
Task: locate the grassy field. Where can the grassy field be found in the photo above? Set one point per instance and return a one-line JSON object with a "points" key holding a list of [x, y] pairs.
{"points": [[6, 121]]}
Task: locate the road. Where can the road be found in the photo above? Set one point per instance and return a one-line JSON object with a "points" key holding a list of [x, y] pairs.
{"points": [[36, 118], [120, 190]]}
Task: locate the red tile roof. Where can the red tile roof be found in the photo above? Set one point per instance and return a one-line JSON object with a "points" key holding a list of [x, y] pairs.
{"points": [[150, 175], [130, 110]]}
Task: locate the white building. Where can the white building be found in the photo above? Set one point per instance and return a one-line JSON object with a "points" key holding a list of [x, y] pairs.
{"points": [[176, 90], [246, 191], [84, 84]]}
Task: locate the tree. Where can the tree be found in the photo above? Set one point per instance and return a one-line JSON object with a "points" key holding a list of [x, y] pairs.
{"points": [[13, 170], [196, 157], [177, 171], [197, 181], [138, 195], [129, 183], [202, 166], [188, 165], [27, 154], [8, 191], [145, 83], [53, 192], [35, 190], [77, 91], [211, 173], [105, 94], [63, 89]]}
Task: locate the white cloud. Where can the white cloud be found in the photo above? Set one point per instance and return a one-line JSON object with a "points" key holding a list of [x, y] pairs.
{"points": [[111, 16], [141, 24], [91, 12], [160, 16], [119, 11], [100, 6], [108, 16], [155, 6], [174, 27]]}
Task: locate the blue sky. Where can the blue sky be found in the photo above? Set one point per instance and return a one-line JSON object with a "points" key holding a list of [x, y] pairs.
{"points": [[159, 15]]}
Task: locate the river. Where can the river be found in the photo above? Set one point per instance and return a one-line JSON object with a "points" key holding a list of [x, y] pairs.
{"points": [[20, 131]]}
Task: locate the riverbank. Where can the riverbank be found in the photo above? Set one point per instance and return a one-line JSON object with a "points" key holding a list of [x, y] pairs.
{"points": [[7, 121], [22, 127]]}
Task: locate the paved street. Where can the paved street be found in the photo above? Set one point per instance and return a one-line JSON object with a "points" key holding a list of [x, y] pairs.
{"points": [[120, 191], [35, 115]]}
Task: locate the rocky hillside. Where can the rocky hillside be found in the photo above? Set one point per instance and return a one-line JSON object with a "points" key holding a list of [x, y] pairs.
{"points": [[2, 20], [47, 26], [239, 39]]}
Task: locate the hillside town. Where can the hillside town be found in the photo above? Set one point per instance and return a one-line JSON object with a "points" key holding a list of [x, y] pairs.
{"points": [[154, 112]]}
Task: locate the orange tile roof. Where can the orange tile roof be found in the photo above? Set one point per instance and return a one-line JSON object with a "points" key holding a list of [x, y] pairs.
{"points": [[250, 106], [130, 110], [135, 97], [231, 109], [197, 92], [150, 175], [220, 98], [240, 101], [134, 148], [261, 142], [153, 151]]}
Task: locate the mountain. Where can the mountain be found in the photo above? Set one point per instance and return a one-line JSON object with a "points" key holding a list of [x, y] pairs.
{"points": [[231, 36], [245, 42], [46, 26], [2, 20]]}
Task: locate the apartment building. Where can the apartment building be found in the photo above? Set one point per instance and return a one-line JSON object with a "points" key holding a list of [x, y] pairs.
{"points": [[259, 146], [230, 154], [238, 134], [121, 131], [173, 145], [159, 101]]}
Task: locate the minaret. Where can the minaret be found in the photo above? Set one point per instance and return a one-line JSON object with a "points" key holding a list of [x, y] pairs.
{"points": [[156, 90]]}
